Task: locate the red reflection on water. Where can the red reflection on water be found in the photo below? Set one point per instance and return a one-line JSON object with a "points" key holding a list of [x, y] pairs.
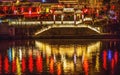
{"points": [[116, 56], [0, 64], [6, 65], [39, 64], [51, 65], [30, 63], [58, 69], [86, 66], [112, 63], [23, 64], [112, 66], [105, 59], [14, 65]]}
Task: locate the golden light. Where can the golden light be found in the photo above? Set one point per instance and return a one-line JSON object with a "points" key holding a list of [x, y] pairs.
{"points": [[66, 50]]}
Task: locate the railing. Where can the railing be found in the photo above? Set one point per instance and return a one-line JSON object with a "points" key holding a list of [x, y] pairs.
{"points": [[42, 22]]}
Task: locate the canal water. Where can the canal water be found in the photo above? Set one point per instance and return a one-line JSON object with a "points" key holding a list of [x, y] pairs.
{"points": [[60, 57]]}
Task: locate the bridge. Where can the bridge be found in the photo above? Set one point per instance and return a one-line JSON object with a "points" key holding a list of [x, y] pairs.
{"points": [[61, 28], [73, 29]]}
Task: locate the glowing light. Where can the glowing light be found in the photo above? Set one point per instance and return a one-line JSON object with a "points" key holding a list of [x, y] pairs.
{"points": [[51, 65], [47, 60], [59, 69], [39, 64], [86, 66], [116, 57], [14, 66], [10, 54], [5, 8], [23, 64], [105, 59], [43, 0], [47, 10], [20, 54], [97, 63], [85, 10], [55, 58], [109, 54], [66, 50], [51, 11], [13, 8], [48, 50], [18, 66], [113, 7], [112, 64], [13, 53], [38, 10], [6, 64], [18, 1], [30, 10], [22, 9], [75, 58], [30, 63], [93, 47]]}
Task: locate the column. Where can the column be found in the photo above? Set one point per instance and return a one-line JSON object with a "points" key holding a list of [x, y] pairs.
{"points": [[54, 18], [82, 17], [74, 18], [62, 16]]}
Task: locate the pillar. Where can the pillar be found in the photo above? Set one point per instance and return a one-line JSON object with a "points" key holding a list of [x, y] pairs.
{"points": [[62, 16], [54, 18], [75, 19]]}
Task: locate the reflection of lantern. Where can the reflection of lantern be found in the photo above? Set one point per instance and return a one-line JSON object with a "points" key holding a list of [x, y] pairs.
{"points": [[38, 10], [14, 66], [6, 64], [30, 10], [22, 9], [113, 7], [51, 11], [51, 65], [23, 64], [30, 63], [5, 8], [39, 64], [105, 59], [85, 10], [13, 8], [47, 10]]}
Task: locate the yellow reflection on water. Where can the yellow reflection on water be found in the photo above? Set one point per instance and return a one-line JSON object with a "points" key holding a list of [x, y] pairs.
{"points": [[13, 53], [72, 56], [97, 63], [66, 50], [18, 66]]}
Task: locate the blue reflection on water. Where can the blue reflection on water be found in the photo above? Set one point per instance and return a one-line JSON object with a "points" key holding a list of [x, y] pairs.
{"points": [[109, 55], [10, 54]]}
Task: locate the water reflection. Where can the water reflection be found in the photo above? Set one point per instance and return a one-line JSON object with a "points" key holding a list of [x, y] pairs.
{"points": [[91, 58]]}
